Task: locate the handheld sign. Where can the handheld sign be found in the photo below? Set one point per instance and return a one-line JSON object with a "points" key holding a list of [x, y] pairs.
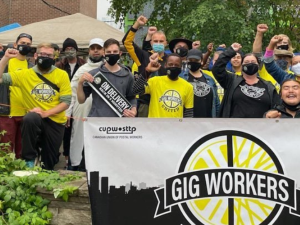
{"points": [[110, 94]]}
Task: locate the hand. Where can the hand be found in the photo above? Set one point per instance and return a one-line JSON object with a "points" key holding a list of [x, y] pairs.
{"points": [[222, 46], [141, 21], [86, 77], [196, 44], [153, 65], [262, 28], [151, 30], [39, 111], [236, 46], [273, 114], [11, 53], [210, 47], [275, 39], [130, 112], [68, 123]]}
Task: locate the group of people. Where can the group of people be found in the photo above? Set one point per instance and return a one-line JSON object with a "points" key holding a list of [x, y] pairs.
{"points": [[42, 104]]}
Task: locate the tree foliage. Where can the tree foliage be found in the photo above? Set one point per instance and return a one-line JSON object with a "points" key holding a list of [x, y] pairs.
{"points": [[218, 21]]}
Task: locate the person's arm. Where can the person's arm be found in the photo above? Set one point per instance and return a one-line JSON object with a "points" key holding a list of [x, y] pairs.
{"points": [[81, 97], [9, 53], [257, 44], [219, 68], [210, 47], [55, 110], [147, 40], [136, 53], [272, 68]]}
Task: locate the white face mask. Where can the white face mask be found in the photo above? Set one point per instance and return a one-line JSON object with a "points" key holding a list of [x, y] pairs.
{"points": [[296, 69]]}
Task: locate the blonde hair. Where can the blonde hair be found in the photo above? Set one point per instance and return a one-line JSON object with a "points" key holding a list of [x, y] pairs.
{"points": [[289, 41], [44, 45]]}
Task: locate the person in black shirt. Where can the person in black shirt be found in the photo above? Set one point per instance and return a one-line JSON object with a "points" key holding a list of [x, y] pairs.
{"points": [[206, 101], [246, 96], [290, 107]]}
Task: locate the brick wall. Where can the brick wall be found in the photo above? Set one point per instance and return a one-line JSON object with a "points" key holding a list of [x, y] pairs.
{"points": [[26, 12], [89, 8], [4, 12]]}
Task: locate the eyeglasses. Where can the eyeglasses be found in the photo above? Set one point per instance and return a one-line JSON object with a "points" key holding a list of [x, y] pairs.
{"points": [[43, 54]]}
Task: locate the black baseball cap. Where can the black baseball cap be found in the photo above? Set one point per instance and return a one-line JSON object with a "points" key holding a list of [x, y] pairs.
{"points": [[194, 54], [24, 35]]}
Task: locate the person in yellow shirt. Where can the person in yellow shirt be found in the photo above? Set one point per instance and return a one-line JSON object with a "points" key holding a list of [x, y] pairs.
{"points": [[171, 95], [46, 94], [10, 121]]}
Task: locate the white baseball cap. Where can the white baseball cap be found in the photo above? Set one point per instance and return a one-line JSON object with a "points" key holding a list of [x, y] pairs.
{"points": [[97, 41]]}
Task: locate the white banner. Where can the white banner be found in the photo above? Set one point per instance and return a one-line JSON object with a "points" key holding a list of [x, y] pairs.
{"points": [[193, 171]]}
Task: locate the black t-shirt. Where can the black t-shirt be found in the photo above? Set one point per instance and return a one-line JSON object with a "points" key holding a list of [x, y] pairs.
{"points": [[203, 97], [250, 101]]}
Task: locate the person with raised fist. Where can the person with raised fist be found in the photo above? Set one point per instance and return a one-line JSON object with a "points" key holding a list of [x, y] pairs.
{"points": [[245, 96]]}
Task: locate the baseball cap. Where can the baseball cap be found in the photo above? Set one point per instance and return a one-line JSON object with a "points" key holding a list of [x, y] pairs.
{"points": [[96, 41], [194, 54], [24, 35]]}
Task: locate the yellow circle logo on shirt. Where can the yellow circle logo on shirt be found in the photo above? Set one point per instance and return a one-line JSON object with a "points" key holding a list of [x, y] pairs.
{"points": [[171, 99], [43, 92]]}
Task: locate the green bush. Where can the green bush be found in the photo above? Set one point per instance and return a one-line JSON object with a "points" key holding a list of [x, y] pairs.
{"points": [[19, 202]]}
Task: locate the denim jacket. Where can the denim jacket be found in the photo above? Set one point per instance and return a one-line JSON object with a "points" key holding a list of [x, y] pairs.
{"points": [[278, 74]]}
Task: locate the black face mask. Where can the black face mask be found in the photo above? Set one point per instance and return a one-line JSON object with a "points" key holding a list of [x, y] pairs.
{"points": [[173, 72], [194, 66], [1, 54], [96, 59], [250, 69], [282, 63], [112, 59], [44, 63], [283, 47], [24, 49], [293, 108], [182, 52]]}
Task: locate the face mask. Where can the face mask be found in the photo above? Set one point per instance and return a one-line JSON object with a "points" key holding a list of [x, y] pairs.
{"points": [[283, 47], [96, 59], [70, 54], [173, 72], [44, 63], [291, 107], [182, 52], [250, 68], [158, 47], [282, 63], [112, 59], [296, 69], [1, 54], [194, 66], [24, 49]]}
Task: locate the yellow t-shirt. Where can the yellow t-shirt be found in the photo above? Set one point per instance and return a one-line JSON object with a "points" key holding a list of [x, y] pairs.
{"points": [[263, 73], [16, 100], [36, 93], [169, 98]]}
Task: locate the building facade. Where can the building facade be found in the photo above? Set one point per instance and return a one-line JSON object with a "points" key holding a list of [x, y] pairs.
{"points": [[26, 12]]}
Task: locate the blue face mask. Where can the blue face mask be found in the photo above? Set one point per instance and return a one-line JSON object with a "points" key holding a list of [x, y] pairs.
{"points": [[157, 47]]}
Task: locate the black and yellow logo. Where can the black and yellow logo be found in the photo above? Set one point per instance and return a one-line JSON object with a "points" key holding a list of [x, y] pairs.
{"points": [[171, 100], [229, 178], [43, 92]]}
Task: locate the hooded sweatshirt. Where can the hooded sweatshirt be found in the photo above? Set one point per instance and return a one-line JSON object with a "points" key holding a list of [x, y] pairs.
{"points": [[122, 80]]}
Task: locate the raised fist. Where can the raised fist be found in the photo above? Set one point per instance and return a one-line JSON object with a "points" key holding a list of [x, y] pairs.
{"points": [[262, 28], [151, 30], [236, 46], [142, 20], [196, 44]]}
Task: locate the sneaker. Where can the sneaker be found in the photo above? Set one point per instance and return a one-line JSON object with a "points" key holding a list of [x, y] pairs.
{"points": [[30, 163]]}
